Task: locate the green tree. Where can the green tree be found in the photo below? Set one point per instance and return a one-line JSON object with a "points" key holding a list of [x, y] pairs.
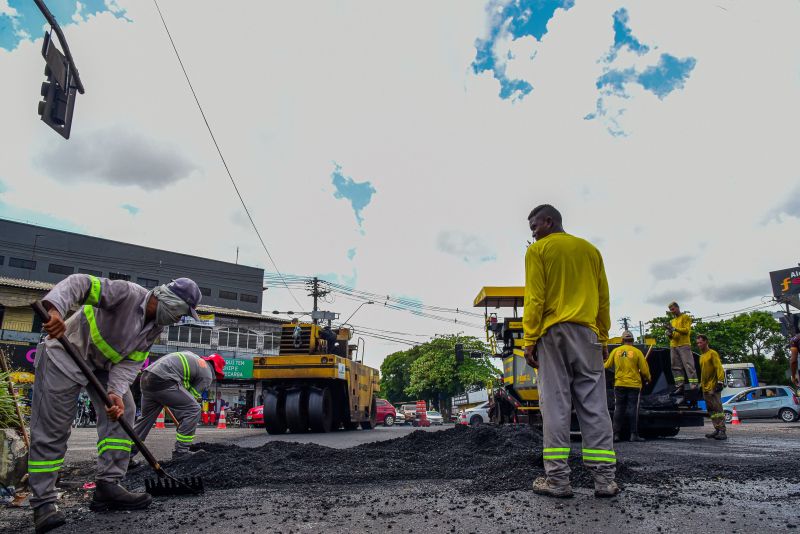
{"points": [[435, 375], [396, 374]]}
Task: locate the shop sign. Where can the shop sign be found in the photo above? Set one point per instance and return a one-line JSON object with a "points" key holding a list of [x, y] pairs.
{"points": [[238, 369], [205, 319]]}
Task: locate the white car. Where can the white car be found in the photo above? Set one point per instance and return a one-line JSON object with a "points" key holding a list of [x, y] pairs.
{"points": [[435, 418], [478, 415], [399, 418]]}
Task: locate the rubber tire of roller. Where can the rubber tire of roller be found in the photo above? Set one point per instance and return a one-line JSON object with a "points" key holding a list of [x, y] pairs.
{"points": [[320, 410], [274, 412], [297, 410]]}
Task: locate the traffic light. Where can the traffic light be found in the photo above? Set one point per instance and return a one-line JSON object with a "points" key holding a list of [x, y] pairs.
{"points": [[459, 353], [58, 92]]}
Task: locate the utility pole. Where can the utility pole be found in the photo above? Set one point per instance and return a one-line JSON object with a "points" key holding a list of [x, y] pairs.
{"points": [[624, 322], [316, 293]]}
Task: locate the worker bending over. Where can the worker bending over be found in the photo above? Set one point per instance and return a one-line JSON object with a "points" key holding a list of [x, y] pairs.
{"points": [[566, 322], [630, 367], [175, 381], [113, 329], [678, 332], [712, 380]]}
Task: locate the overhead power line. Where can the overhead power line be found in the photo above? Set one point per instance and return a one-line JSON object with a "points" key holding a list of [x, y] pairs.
{"points": [[219, 151]]}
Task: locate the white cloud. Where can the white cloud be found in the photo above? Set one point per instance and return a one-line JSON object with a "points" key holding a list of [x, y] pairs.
{"points": [[389, 95]]}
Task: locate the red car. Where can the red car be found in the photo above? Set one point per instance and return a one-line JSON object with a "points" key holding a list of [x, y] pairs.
{"points": [[386, 412], [255, 416]]}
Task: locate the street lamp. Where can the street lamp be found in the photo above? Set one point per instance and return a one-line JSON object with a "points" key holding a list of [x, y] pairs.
{"points": [[359, 307]]}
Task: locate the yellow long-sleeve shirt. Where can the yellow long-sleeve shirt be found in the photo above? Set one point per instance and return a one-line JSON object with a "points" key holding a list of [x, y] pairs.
{"points": [[565, 282], [683, 327], [711, 370], [629, 366]]}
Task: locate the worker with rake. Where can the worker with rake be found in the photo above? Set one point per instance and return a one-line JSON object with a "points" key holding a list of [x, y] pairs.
{"points": [[115, 325]]}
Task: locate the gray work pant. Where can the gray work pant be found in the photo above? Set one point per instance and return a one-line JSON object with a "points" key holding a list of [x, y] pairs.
{"points": [[158, 393], [55, 397], [683, 361], [571, 375]]}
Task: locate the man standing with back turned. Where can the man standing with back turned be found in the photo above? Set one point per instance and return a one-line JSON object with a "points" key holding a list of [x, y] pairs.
{"points": [[566, 321]]}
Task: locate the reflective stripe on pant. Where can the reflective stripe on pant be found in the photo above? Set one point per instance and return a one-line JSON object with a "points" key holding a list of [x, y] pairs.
{"points": [[683, 365], [53, 408], [180, 402], [714, 408], [571, 374], [625, 404]]}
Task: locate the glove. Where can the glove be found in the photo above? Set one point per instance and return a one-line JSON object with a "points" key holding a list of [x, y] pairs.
{"points": [[719, 387]]}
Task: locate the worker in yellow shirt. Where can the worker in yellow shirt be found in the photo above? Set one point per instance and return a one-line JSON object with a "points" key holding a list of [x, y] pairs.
{"points": [[678, 332], [565, 321], [630, 367], [712, 380]]}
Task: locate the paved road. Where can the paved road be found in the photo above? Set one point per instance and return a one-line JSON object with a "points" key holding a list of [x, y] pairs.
{"points": [[743, 485]]}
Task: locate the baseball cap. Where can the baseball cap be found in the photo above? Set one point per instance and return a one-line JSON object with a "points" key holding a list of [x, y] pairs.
{"points": [[186, 290], [219, 364]]}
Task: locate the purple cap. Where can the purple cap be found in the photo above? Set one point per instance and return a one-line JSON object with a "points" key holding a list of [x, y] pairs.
{"points": [[187, 291]]}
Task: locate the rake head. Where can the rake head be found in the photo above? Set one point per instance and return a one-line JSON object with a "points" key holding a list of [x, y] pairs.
{"points": [[174, 486]]}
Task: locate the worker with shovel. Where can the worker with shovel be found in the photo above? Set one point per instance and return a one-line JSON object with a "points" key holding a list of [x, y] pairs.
{"points": [[630, 367], [112, 331], [174, 382]]}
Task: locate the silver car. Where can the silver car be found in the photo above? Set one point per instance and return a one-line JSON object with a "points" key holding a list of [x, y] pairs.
{"points": [[762, 403]]}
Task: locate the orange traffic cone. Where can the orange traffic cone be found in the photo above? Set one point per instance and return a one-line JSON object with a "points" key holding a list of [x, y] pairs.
{"points": [[222, 425], [735, 420], [160, 420]]}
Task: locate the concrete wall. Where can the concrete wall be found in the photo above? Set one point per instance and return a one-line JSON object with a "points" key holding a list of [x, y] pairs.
{"points": [[41, 251]]}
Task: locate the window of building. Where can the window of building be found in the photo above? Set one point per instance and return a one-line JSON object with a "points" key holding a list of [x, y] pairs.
{"points": [[2, 260], [229, 295], [60, 269], [248, 298], [22, 264], [205, 291], [147, 283], [89, 271], [241, 338], [189, 334], [272, 341], [119, 276]]}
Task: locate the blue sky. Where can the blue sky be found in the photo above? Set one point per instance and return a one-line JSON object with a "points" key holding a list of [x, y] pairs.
{"points": [[358, 194], [23, 20]]}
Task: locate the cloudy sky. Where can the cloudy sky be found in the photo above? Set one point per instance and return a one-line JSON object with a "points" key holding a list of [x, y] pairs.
{"points": [[398, 147]]}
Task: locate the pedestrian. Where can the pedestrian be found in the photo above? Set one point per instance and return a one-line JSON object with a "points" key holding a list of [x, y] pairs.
{"points": [[712, 380], [175, 381], [794, 348], [678, 332], [566, 321], [630, 368], [115, 325]]}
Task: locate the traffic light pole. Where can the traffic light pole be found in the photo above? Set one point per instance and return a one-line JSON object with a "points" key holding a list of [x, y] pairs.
{"points": [[63, 40]]}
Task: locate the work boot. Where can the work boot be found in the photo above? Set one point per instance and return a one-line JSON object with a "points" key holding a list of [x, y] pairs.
{"points": [[606, 490], [185, 453], [617, 439], [110, 496], [134, 463], [635, 437], [713, 435], [721, 435], [542, 486], [47, 517]]}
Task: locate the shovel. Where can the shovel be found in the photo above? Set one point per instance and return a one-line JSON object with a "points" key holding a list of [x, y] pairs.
{"points": [[165, 484]]}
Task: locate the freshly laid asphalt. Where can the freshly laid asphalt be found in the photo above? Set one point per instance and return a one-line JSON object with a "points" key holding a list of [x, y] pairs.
{"points": [[682, 484]]}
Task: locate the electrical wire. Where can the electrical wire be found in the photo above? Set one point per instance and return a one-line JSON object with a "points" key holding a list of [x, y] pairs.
{"points": [[219, 151]]}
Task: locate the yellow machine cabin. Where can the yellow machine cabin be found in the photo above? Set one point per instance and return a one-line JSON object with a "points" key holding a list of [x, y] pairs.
{"points": [[316, 383], [518, 398]]}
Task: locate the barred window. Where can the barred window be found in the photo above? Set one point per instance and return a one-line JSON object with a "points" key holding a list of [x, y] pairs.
{"points": [[238, 338], [147, 283], [248, 298], [22, 264], [189, 334], [60, 269], [205, 291], [90, 271], [229, 295], [119, 276]]}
